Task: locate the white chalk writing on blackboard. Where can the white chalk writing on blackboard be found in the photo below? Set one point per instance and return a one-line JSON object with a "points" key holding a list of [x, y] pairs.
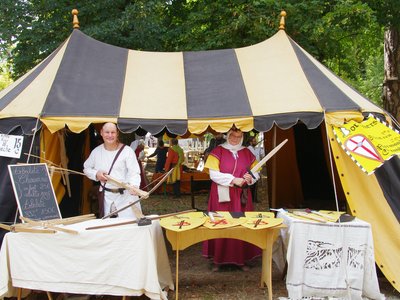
{"points": [[34, 191]]}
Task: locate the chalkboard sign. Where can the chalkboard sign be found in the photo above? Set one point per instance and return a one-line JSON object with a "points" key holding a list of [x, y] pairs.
{"points": [[34, 191]]}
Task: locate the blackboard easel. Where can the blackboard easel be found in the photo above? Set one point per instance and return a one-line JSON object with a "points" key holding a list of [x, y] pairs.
{"points": [[34, 192]]}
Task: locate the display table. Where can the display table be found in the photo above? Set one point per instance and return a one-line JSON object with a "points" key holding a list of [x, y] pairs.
{"points": [[330, 259], [185, 181], [263, 238], [124, 260]]}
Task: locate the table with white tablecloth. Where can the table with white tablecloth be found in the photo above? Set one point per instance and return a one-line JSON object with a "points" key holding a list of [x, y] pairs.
{"points": [[329, 259], [128, 260]]}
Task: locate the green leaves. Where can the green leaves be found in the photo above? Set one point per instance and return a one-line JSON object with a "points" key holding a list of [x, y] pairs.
{"points": [[346, 35]]}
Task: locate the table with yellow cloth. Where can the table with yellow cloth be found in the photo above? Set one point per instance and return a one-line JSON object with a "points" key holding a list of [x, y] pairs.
{"points": [[263, 238]]}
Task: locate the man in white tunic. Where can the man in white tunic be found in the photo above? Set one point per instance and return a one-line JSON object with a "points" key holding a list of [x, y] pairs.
{"points": [[126, 169], [257, 151]]}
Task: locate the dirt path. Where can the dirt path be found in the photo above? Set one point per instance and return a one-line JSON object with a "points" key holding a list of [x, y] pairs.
{"points": [[198, 281]]}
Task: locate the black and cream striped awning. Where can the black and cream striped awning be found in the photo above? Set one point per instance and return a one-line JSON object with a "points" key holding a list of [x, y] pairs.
{"points": [[86, 81]]}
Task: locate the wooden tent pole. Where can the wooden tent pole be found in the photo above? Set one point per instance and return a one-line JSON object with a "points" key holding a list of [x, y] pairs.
{"points": [[33, 138], [273, 180]]}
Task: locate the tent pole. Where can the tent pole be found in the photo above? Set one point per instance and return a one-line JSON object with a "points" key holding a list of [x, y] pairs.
{"points": [[33, 139], [336, 198], [394, 121], [27, 160], [273, 180], [331, 163]]}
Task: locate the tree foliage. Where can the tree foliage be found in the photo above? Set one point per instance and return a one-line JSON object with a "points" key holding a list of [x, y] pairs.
{"points": [[387, 16], [5, 78], [208, 24], [346, 35]]}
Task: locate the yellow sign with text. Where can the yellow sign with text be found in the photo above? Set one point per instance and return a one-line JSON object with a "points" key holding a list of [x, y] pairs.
{"points": [[368, 143]]}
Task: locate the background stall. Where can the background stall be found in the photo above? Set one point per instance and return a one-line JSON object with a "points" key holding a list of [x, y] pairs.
{"points": [[274, 87]]}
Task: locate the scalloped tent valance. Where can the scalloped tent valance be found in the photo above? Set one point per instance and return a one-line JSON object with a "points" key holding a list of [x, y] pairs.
{"points": [[86, 81]]}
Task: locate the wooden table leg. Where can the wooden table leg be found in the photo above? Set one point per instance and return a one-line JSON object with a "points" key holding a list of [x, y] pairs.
{"points": [[19, 293], [177, 274], [270, 242], [49, 296], [266, 271]]}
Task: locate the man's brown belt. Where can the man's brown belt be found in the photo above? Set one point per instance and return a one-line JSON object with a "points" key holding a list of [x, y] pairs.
{"points": [[115, 191]]}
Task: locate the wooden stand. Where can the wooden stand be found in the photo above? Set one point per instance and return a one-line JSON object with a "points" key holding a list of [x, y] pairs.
{"points": [[262, 238]]}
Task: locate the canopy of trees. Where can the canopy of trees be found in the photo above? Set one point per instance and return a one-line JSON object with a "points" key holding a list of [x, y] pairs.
{"points": [[346, 35]]}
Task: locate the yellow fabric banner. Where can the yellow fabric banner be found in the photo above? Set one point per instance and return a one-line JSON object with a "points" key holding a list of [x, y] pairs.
{"points": [[368, 143], [50, 151]]}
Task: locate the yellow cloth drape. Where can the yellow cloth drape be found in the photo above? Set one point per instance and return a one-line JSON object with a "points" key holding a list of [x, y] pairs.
{"points": [[50, 151], [367, 202]]}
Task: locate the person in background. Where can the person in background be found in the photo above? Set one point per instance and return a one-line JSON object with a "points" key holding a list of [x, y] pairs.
{"points": [[218, 139], [252, 145], [252, 141], [125, 169], [161, 153], [227, 165], [175, 158], [136, 142], [139, 152]]}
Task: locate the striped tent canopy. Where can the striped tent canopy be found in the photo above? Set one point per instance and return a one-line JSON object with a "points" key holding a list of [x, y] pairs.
{"points": [[85, 81], [275, 82]]}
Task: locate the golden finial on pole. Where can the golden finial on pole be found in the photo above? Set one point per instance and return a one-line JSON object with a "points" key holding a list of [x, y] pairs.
{"points": [[75, 20], [282, 21]]}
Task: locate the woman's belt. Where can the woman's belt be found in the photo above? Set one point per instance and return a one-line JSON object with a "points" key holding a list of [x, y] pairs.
{"points": [[115, 191]]}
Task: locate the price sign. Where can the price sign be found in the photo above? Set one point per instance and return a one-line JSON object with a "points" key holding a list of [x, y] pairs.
{"points": [[11, 145]]}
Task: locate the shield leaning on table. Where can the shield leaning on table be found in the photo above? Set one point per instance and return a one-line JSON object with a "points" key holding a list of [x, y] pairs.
{"points": [[183, 222], [261, 223]]}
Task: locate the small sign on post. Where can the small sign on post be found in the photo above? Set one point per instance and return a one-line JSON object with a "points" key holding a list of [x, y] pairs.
{"points": [[34, 192], [11, 145]]}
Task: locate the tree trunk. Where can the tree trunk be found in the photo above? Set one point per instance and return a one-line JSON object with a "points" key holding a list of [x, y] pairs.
{"points": [[391, 86]]}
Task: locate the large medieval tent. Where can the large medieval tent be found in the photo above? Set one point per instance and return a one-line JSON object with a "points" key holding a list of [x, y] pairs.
{"points": [[274, 87]]}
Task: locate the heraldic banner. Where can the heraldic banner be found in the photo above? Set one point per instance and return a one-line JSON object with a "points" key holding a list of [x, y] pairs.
{"points": [[368, 143]]}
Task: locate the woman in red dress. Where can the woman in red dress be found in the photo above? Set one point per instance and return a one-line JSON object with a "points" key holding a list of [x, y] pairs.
{"points": [[227, 165]]}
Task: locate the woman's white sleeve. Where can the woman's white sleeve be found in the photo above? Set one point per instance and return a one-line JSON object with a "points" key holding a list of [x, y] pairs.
{"points": [[224, 179]]}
